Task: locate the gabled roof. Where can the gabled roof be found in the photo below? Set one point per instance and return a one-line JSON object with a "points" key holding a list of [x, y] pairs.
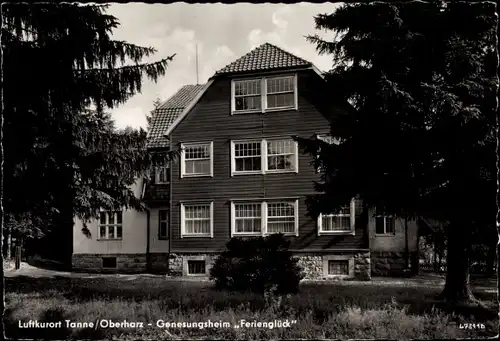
{"points": [[168, 111], [266, 57]]}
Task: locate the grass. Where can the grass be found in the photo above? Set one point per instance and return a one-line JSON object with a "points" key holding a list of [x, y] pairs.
{"points": [[321, 310]]}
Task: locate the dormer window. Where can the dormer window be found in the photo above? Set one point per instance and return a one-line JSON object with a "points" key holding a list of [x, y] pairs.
{"points": [[264, 94]]}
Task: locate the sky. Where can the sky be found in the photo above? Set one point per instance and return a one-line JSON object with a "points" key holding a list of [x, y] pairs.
{"points": [[222, 32]]}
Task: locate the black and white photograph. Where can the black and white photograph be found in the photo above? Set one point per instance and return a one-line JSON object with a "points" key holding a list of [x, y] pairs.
{"points": [[250, 171]]}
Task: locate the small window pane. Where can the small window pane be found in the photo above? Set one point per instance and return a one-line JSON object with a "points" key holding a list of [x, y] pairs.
{"points": [[196, 267], [102, 232], [111, 232], [109, 262], [111, 218], [118, 232], [102, 219], [119, 217], [379, 225], [389, 225], [338, 267]]}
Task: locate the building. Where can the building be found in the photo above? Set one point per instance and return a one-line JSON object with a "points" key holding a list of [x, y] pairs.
{"points": [[240, 173]]}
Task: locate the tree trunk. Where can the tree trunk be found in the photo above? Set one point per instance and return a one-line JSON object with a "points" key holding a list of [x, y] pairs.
{"points": [[407, 251], [457, 287], [490, 260], [7, 242]]}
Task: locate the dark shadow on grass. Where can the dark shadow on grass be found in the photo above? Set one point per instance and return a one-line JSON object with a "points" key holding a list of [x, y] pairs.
{"points": [[47, 264]]}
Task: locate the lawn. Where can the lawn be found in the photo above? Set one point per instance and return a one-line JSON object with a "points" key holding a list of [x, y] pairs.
{"points": [[321, 310]]}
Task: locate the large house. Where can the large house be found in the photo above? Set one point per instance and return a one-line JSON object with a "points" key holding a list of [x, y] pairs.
{"points": [[240, 173]]}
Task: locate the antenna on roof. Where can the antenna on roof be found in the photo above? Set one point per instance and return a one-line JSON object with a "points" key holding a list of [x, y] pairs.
{"points": [[197, 83]]}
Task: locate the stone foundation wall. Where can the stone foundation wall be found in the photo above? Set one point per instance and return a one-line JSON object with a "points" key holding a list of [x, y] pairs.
{"points": [[159, 262], [177, 262], [313, 265], [125, 263], [388, 263]]}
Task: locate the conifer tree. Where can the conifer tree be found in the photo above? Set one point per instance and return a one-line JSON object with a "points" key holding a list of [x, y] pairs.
{"points": [[417, 137], [62, 72]]}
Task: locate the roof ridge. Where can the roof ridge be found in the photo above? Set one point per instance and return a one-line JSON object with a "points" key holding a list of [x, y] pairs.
{"points": [[285, 51], [264, 57]]}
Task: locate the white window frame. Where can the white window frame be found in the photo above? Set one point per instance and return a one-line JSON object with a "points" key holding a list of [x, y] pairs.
{"points": [[233, 157], [183, 220], [294, 81], [385, 234], [160, 221], [263, 94], [264, 157], [349, 259], [264, 217], [183, 159], [107, 225], [233, 96], [157, 175], [352, 214]]}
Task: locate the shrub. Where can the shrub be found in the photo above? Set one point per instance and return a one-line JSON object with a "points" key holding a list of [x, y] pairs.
{"points": [[257, 264]]}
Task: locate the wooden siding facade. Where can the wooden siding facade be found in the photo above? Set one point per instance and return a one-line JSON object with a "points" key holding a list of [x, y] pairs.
{"points": [[211, 120]]}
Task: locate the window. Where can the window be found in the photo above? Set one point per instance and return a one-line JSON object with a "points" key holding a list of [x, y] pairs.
{"points": [[247, 156], [162, 175], [338, 267], [264, 94], [262, 218], [385, 225], [109, 262], [340, 223], [280, 92], [265, 156], [197, 159], [197, 220], [281, 155], [247, 95], [247, 218], [281, 217], [110, 225], [163, 224], [196, 267]]}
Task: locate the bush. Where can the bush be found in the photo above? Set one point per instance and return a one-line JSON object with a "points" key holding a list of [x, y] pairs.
{"points": [[257, 264]]}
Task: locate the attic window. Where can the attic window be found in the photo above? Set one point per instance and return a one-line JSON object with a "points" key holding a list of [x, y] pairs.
{"points": [[264, 94]]}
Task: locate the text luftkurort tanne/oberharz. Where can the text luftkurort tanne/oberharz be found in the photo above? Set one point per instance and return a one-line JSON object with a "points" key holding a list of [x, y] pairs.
{"points": [[124, 324]]}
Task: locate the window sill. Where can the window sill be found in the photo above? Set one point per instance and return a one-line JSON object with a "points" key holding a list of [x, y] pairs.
{"points": [[287, 234], [196, 176], [246, 234], [247, 173], [161, 183], [339, 276], [196, 275], [336, 233], [280, 109], [385, 235], [109, 239], [238, 112], [280, 171], [196, 235]]}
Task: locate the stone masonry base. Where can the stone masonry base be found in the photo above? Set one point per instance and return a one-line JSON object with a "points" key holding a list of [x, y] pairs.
{"points": [[315, 266], [125, 263], [390, 263]]}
